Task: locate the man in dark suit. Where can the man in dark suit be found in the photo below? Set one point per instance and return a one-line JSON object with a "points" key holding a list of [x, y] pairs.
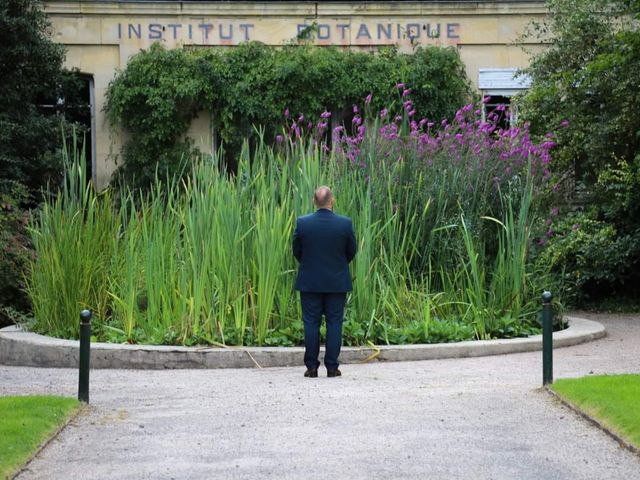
{"points": [[324, 244]]}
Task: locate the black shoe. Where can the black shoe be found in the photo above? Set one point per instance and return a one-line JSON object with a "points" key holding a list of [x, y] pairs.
{"points": [[311, 372], [334, 373]]}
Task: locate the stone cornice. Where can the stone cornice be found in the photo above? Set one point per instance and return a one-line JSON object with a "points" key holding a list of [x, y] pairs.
{"points": [[307, 9]]}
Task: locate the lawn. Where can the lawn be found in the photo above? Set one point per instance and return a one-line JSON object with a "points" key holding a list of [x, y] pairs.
{"points": [[27, 422], [613, 400]]}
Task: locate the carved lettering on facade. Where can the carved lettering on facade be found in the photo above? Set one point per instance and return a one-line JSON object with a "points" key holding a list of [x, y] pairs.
{"points": [[224, 33]]}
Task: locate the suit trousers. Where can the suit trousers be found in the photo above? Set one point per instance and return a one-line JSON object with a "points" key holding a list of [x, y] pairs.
{"points": [[314, 305]]}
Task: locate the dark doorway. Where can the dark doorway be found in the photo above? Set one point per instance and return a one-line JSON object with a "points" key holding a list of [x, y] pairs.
{"points": [[497, 109], [74, 100]]}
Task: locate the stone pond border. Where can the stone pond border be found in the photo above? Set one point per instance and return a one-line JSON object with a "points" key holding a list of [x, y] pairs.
{"points": [[22, 348]]}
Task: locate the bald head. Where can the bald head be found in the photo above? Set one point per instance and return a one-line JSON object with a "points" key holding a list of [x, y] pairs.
{"points": [[323, 197]]}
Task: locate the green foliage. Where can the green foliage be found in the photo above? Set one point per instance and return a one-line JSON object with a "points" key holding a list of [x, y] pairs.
{"points": [[155, 99], [594, 259], [31, 72], [15, 252], [437, 331], [585, 89], [597, 250], [160, 91], [205, 260], [588, 78], [438, 81], [30, 138], [616, 194]]}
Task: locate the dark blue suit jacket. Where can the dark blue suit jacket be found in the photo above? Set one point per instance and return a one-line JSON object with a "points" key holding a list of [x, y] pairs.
{"points": [[324, 244]]}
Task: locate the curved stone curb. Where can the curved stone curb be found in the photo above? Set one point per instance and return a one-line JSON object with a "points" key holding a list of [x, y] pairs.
{"points": [[21, 348]]}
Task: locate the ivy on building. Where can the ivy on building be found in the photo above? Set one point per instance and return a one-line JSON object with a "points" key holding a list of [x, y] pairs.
{"points": [[161, 91]]}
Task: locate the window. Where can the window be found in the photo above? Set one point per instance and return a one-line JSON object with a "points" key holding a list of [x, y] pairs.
{"points": [[498, 86]]}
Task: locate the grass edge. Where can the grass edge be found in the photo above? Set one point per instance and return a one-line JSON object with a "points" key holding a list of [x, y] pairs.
{"points": [[83, 407], [571, 406]]}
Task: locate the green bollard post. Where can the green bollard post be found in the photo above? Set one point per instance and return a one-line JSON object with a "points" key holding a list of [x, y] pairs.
{"points": [[547, 339], [85, 355]]}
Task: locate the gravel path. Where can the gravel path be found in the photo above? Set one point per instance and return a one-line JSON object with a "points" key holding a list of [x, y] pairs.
{"points": [[480, 418]]}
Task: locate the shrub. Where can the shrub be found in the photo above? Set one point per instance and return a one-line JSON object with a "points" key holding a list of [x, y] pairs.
{"points": [[246, 90], [598, 250], [32, 74], [15, 252], [585, 89]]}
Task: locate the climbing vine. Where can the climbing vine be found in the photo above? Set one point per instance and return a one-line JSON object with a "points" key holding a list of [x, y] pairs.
{"points": [[161, 91]]}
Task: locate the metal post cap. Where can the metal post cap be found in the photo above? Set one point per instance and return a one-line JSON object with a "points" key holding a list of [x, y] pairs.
{"points": [[85, 316], [546, 296]]}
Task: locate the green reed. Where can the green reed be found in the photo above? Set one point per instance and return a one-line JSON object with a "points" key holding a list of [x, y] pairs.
{"points": [[207, 259], [74, 241]]}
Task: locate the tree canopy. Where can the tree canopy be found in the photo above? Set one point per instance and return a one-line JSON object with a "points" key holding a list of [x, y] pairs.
{"points": [[586, 91], [32, 71]]}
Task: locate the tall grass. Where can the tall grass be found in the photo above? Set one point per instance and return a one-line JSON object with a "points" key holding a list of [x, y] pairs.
{"points": [[75, 242], [207, 259]]}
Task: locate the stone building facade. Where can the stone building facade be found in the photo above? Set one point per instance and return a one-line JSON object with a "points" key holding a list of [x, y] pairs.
{"points": [[100, 36]]}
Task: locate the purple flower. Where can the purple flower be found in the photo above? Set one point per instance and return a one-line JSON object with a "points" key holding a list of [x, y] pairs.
{"points": [[554, 211], [325, 114], [367, 100], [406, 93], [301, 118], [355, 109], [384, 112], [564, 123], [279, 138], [400, 86], [286, 113]]}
